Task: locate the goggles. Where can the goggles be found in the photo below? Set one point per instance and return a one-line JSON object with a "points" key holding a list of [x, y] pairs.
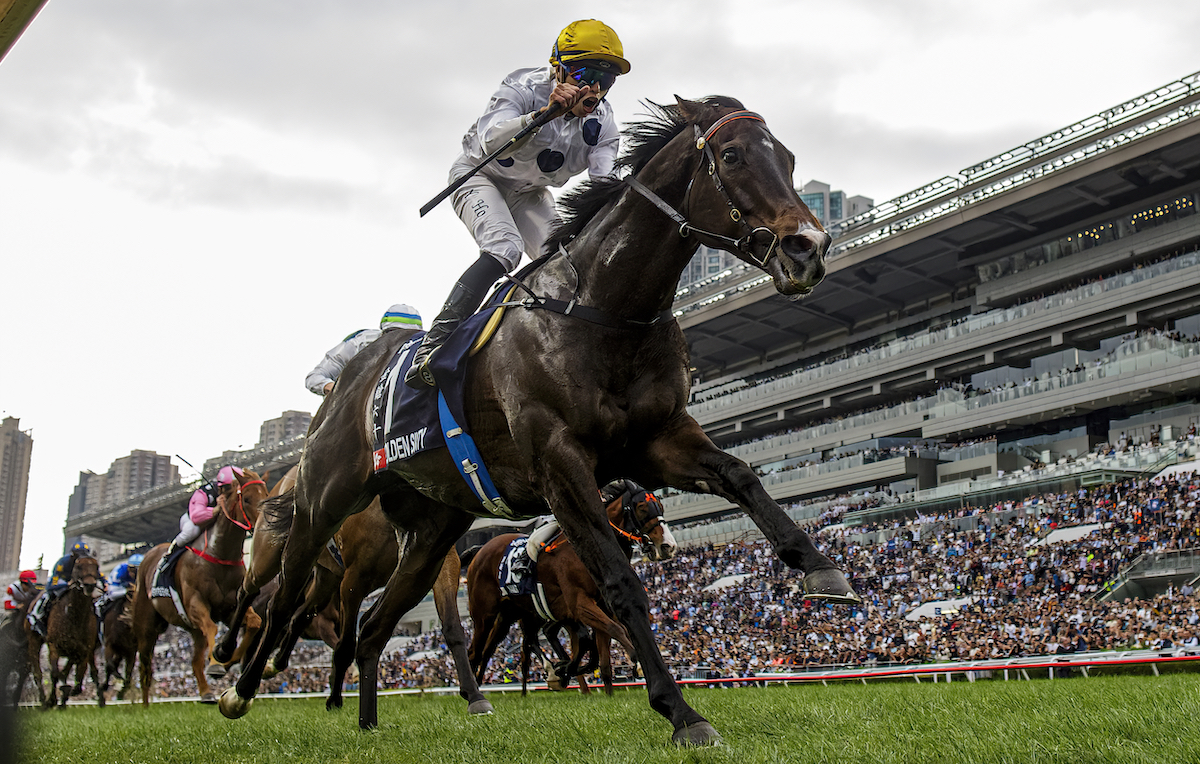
{"points": [[587, 75]]}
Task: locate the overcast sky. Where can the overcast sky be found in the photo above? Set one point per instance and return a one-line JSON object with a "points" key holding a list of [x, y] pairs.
{"points": [[197, 199]]}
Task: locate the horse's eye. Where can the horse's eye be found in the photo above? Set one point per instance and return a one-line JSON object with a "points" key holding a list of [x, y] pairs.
{"points": [[730, 156]]}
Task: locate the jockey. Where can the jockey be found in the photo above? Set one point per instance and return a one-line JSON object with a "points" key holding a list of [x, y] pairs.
{"points": [[19, 593], [320, 380], [124, 577], [202, 508], [60, 579], [507, 205]]}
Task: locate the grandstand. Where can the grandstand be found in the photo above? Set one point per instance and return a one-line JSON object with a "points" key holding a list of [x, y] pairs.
{"points": [[998, 325]]}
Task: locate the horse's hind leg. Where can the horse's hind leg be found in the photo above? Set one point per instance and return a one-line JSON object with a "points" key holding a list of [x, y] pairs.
{"points": [[683, 457], [445, 598], [265, 563], [422, 554]]}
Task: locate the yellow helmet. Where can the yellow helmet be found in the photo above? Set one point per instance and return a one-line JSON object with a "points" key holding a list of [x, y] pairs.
{"points": [[589, 40]]}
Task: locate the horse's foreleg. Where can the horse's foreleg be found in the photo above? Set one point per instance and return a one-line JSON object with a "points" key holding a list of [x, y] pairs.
{"points": [[343, 655], [420, 561], [684, 457], [203, 666], [579, 511], [445, 598], [604, 658], [303, 546], [91, 662]]}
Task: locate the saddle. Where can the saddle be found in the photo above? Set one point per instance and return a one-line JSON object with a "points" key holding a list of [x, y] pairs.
{"points": [[162, 583]]}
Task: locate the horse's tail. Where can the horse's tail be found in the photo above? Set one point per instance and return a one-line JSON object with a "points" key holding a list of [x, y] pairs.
{"points": [[465, 558], [277, 513]]}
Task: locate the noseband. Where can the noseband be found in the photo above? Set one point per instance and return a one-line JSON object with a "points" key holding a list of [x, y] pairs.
{"points": [[743, 246]]}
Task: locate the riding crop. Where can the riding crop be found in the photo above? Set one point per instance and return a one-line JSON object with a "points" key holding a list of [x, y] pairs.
{"points": [[537, 122]]}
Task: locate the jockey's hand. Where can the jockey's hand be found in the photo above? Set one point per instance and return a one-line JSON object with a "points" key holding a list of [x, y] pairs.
{"points": [[567, 94]]}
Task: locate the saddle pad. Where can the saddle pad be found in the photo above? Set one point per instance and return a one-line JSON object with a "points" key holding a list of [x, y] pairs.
{"points": [[406, 420], [162, 584], [517, 573]]}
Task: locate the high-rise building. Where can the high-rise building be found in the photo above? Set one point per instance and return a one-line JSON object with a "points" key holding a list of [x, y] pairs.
{"points": [[284, 427], [831, 206], [127, 476], [15, 449]]}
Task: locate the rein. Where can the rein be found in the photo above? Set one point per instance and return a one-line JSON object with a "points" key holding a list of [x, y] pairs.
{"points": [[246, 526], [744, 245], [241, 506]]}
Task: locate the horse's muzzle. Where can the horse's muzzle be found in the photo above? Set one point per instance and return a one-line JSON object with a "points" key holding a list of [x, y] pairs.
{"points": [[806, 244]]}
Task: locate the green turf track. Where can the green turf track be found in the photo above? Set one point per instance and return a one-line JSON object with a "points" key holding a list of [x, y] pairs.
{"points": [[1102, 719]]}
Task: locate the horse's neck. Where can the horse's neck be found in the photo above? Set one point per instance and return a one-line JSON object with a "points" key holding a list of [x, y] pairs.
{"points": [[226, 539], [630, 258]]}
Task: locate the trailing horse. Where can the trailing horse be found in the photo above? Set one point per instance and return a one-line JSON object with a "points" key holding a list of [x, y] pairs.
{"points": [[119, 645], [368, 548], [568, 594], [207, 579], [587, 384], [71, 633]]}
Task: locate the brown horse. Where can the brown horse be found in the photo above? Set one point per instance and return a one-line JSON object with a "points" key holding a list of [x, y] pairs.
{"points": [[570, 592], [587, 383], [71, 633], [207, 577], [368, 547], [120, 644]]}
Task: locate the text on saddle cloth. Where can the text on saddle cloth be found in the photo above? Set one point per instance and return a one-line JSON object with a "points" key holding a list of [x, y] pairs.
{"points": [[405, 420]]}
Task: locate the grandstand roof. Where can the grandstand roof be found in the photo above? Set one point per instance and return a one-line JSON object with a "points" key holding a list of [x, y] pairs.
{"points": [[15, 16], [915, 254]]}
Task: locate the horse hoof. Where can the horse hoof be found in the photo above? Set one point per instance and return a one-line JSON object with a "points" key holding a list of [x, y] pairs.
{"points": [[232, 705], [480, 708], [215, 671], [269, 671], [333, 704], [221, 654], [700, 733], [829, 585], [208, 698]]}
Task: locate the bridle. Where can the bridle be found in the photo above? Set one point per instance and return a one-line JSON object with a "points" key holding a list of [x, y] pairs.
{"points": [[744, 246], [630, 529], [246, 525]]}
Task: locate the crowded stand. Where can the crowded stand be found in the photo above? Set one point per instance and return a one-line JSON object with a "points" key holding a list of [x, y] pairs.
{"points": [[1007, 588]]}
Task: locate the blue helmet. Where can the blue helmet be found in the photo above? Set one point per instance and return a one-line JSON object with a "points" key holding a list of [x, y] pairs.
{"points": [[81, 550], [135, 560]]}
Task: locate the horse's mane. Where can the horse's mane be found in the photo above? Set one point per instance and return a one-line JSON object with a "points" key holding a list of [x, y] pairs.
{"points": [[640, 142]]}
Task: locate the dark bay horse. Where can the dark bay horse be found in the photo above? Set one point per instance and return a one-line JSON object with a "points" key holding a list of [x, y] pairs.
{"points": [[635, 516], [208, 576], [72, 631], [119, 645], [589, 384]]}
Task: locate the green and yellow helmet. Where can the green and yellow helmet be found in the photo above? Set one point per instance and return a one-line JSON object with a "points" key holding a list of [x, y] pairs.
{"points": [[589, 40]]}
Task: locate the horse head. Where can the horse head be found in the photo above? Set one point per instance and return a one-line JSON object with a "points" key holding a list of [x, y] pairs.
{"points": [[637, 514], [743, 191], [244, 498], [86, 575]]}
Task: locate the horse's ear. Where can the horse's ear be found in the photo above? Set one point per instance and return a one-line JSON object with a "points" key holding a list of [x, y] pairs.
{"points": [[266, 475]]}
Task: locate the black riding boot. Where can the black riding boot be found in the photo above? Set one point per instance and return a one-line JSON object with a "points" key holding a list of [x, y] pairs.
{"points": [[464, 300]]}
